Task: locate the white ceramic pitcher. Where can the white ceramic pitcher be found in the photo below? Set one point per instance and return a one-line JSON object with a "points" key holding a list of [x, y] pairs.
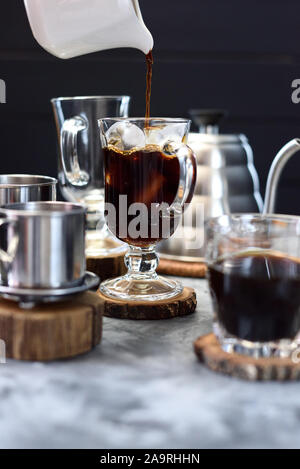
{"points": [[68, 28]]}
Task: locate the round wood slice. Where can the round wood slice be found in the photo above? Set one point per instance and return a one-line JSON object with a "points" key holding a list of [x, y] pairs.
{"points": [[181, 269], [181, 305], [209, 352], [107, 267], [53, 330]]}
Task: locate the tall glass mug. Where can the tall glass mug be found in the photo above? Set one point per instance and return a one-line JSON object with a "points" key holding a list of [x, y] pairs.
{"points": [[254, 278], [149, 178], [80, 163]]}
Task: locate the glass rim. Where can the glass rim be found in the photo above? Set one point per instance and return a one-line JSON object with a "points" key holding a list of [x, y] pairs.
{"points": [[175, 120], [215, 223], [92, 97]]}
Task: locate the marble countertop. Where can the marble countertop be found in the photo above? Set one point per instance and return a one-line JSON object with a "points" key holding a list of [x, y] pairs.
{"points": [[144, 388]]}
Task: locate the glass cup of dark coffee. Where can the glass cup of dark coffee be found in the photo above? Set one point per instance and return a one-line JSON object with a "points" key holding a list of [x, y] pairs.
{"points": [[149, 179], [254, 279]]}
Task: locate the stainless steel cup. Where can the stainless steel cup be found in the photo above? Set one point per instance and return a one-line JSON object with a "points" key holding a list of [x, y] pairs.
{"points": [[43, 245], [21, 188]]}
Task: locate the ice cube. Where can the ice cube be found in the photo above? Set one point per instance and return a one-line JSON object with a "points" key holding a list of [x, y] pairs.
{"points": [[161, 135], [153, 136], [125, 135], [173, 132]]}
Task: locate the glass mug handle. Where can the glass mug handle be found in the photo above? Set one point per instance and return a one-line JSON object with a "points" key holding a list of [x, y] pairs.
{"points": [[187, 173], [69, 154]]}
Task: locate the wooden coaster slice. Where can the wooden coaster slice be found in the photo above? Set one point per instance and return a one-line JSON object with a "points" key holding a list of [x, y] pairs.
{"points": [[107, 267], [182, 269], [209, 352], [53, 330], [181, 305]]}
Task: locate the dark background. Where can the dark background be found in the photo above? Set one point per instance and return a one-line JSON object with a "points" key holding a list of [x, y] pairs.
{"points": [[241, 55]]}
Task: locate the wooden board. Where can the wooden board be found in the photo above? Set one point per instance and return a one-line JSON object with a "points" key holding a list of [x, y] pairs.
{"points": [[182, 269], [107, 267], [53, 330], [209, 352], [181, 305]]}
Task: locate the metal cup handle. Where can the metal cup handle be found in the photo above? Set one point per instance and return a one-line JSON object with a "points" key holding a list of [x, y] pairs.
{"points": [[6, 257], [69, 154]]}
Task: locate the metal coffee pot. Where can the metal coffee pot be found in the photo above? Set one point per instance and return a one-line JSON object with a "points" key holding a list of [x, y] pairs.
{"points": [[226, 177], [227, 182]]}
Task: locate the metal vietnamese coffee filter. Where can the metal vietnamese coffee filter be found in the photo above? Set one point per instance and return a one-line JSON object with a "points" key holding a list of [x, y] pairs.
{"points": [[21, 188], [42, 245]]}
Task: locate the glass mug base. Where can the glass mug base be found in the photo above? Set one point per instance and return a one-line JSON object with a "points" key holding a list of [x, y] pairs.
{"points": [[284, 348], [141, 288]]}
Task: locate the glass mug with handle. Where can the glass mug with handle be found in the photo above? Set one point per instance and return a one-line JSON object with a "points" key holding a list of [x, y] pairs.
{"points": [[254, 278], [150, 176], [80, 163]]}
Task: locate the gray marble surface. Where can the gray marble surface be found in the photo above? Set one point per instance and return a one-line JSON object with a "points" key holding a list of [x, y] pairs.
{"points": [[144, 388]]}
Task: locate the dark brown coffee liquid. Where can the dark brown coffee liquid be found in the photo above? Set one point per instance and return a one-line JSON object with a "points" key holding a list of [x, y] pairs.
{"points": [[149, 63], [257, 296], [148, 176]]}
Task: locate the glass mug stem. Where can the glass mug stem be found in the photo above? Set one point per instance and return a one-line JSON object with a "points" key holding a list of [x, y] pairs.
{"points": [[141, 262], [141, 282]]}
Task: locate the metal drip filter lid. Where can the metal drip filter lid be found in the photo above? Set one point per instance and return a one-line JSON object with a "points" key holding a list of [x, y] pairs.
{"points": [[207, 121]]}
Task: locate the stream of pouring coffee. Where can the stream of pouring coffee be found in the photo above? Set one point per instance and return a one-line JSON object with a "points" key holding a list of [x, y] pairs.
{"points": [[149, 63]]}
